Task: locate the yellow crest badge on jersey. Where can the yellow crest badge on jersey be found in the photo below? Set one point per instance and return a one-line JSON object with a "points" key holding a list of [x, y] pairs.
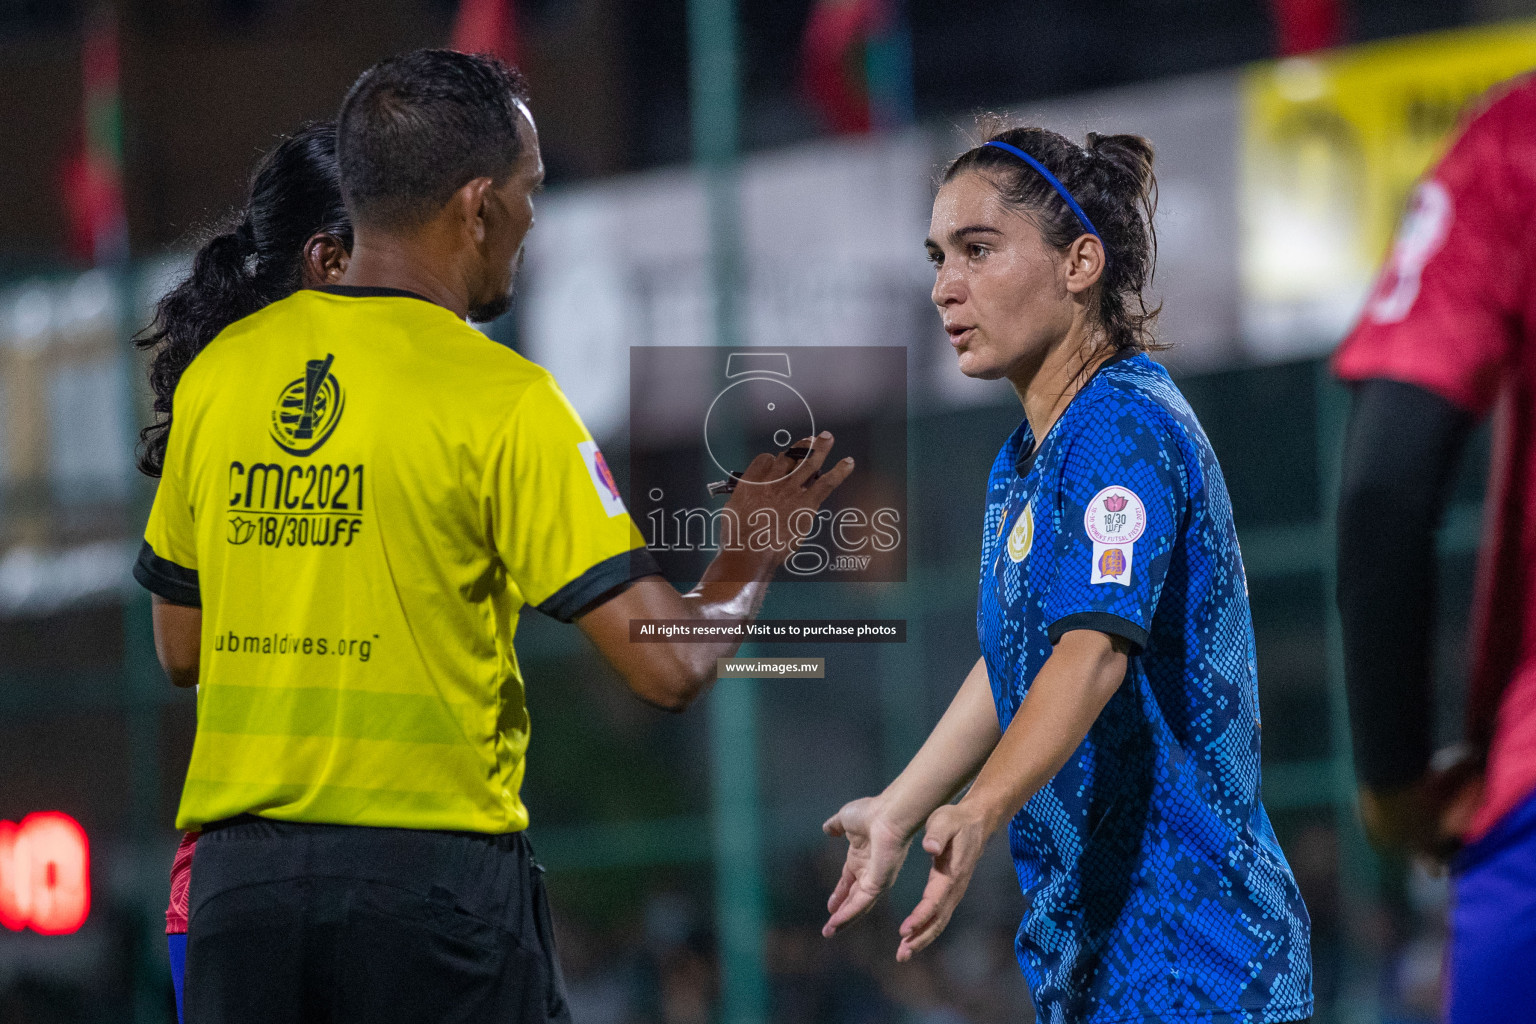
{"points": [[1022, 537], [308, 409]]}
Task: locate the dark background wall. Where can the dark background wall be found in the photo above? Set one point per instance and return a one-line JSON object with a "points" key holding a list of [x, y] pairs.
{"points": [[207, 84]]}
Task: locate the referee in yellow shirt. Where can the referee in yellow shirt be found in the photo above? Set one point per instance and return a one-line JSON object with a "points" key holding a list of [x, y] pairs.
{"points": [[361, 492]]}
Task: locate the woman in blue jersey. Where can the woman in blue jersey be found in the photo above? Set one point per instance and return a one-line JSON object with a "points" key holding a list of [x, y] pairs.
{"points": [[292, 233], [1112, 722]]}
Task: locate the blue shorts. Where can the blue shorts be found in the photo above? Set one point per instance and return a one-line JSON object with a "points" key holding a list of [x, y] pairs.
{"points": [[177, 947], [1493, 924]]}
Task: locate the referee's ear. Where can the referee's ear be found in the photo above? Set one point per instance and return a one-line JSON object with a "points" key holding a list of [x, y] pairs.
{"points": [[471, 205]]}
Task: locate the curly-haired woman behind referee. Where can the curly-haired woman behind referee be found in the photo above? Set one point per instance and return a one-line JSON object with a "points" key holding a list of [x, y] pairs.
{"points": [[292, 233], [1112, 720]]}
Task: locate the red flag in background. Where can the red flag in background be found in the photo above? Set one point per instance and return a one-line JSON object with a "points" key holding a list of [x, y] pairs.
{"points": [[486, 26], [92, 176], [832, 60], [1307, 25]]}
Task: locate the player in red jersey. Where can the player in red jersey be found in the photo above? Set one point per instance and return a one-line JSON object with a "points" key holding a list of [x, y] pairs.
{"points": [[293, 233], [1448, 337]]}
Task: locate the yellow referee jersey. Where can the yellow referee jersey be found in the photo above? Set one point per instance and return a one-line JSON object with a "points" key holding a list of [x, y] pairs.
{"points": [[362, 492]]}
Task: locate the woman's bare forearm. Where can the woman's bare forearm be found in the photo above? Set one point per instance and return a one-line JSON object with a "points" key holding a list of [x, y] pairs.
{"points": [[1063, 702], [951, 756], [178, 640]]}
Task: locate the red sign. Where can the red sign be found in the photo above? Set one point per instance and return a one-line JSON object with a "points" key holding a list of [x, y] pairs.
{"points": [[45, 874]]}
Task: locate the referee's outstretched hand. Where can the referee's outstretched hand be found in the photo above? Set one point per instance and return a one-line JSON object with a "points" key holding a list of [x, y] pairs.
{"points": [[783, 490], [791, 489], [876, 850]]}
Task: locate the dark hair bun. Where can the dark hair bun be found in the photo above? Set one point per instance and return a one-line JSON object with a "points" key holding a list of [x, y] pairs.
{"points": [[1130, 155]]}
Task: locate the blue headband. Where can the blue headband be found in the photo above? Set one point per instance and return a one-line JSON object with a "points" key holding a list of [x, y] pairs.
{"points": [[1058, 186]]}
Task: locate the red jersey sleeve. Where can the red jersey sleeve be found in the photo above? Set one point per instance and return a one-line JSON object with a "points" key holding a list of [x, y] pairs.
{"points": [[1445, 313], [181, 886]]}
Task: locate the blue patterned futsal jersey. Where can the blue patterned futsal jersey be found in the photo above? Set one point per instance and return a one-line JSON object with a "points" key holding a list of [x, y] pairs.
{"points": [[1154, 884]]}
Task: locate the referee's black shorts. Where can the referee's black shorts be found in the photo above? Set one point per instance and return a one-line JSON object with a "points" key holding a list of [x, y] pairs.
{"points": [[336, 923]]}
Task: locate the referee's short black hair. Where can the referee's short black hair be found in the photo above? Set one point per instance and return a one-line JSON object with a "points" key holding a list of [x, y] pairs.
{"points": [[414, 128]]}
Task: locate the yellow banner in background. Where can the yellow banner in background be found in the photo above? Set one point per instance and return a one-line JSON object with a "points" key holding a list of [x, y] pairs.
{"points": [[1331, 146]]}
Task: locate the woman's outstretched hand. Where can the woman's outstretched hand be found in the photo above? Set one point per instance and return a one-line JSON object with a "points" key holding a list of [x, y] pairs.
{"points": [[880, 829], [955, 837], [876, 850]]}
